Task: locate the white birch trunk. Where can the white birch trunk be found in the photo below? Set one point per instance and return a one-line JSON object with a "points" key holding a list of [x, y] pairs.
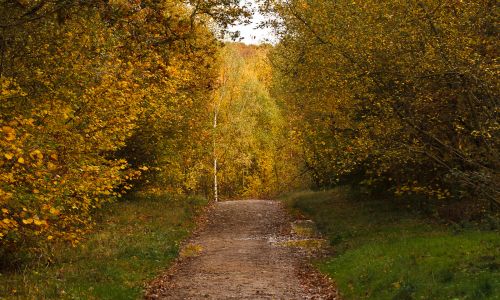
{"points": [[216, 194]]}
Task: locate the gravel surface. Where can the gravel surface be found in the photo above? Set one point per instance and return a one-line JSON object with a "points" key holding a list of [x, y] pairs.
{"points": [[238, 254]]}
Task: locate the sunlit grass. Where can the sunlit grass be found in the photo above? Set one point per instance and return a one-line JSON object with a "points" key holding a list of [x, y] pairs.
{"points": [[385, 252], [135, 240]]}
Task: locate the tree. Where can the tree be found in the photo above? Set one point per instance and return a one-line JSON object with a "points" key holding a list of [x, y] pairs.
{"points": [[93, 95], [251, 137], [399, 95]]}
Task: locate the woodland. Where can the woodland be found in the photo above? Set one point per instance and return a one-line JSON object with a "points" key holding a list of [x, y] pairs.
{"points": [[102, 100]]}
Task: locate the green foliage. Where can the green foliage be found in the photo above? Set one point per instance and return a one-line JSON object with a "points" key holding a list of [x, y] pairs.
{"points": [[383, 251], [396, 95], [134, 241]]}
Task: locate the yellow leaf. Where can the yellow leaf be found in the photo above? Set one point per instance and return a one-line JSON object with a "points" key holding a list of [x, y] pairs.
{"points": [[20, 160], [50, 237], [36, 155], [10, 133], [28, 221], [54, 211], [5, 211], [9, 156]]}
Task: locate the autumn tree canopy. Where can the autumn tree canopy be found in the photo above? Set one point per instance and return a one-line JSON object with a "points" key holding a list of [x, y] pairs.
{"points": [[95, 94], [253, 141], [395, 95]]}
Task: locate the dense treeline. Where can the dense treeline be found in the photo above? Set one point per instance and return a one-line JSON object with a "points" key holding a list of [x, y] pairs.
{"points": [[400, 96], [92, 94], [396, 95], [256, 157]]}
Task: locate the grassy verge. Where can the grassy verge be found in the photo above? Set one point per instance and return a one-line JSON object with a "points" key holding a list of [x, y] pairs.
{"points": [[135, 240], [384, 252]]}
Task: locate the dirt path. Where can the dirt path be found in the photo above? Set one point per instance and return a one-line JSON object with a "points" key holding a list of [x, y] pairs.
{"points": [[238, 255]]}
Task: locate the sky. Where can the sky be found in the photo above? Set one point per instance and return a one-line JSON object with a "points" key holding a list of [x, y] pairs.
{"points": [[252, 35]]}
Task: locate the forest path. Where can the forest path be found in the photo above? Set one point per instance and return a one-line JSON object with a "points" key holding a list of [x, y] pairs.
{"points": [[239, 254]]}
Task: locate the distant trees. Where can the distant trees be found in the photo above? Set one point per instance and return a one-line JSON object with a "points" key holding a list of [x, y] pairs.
{"points": [[252, 146], [94, 94], [396, 95]]}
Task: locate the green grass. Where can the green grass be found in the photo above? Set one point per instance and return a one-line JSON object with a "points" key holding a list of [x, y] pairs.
{"points": [[134, 241], [384, 251]]}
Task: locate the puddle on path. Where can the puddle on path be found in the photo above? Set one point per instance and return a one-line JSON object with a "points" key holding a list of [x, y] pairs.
{"points": [[304, 237]]}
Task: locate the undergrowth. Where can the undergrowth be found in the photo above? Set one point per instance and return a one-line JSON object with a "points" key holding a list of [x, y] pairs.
{"points": [[384, 251], [133, 242]]}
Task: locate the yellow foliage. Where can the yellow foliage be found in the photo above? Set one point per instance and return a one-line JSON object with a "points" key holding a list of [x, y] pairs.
{"points": [[54, 211], [386, 93], [251, 137], [9, 132], [28, 221], [79, 96], [191, 250]]}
